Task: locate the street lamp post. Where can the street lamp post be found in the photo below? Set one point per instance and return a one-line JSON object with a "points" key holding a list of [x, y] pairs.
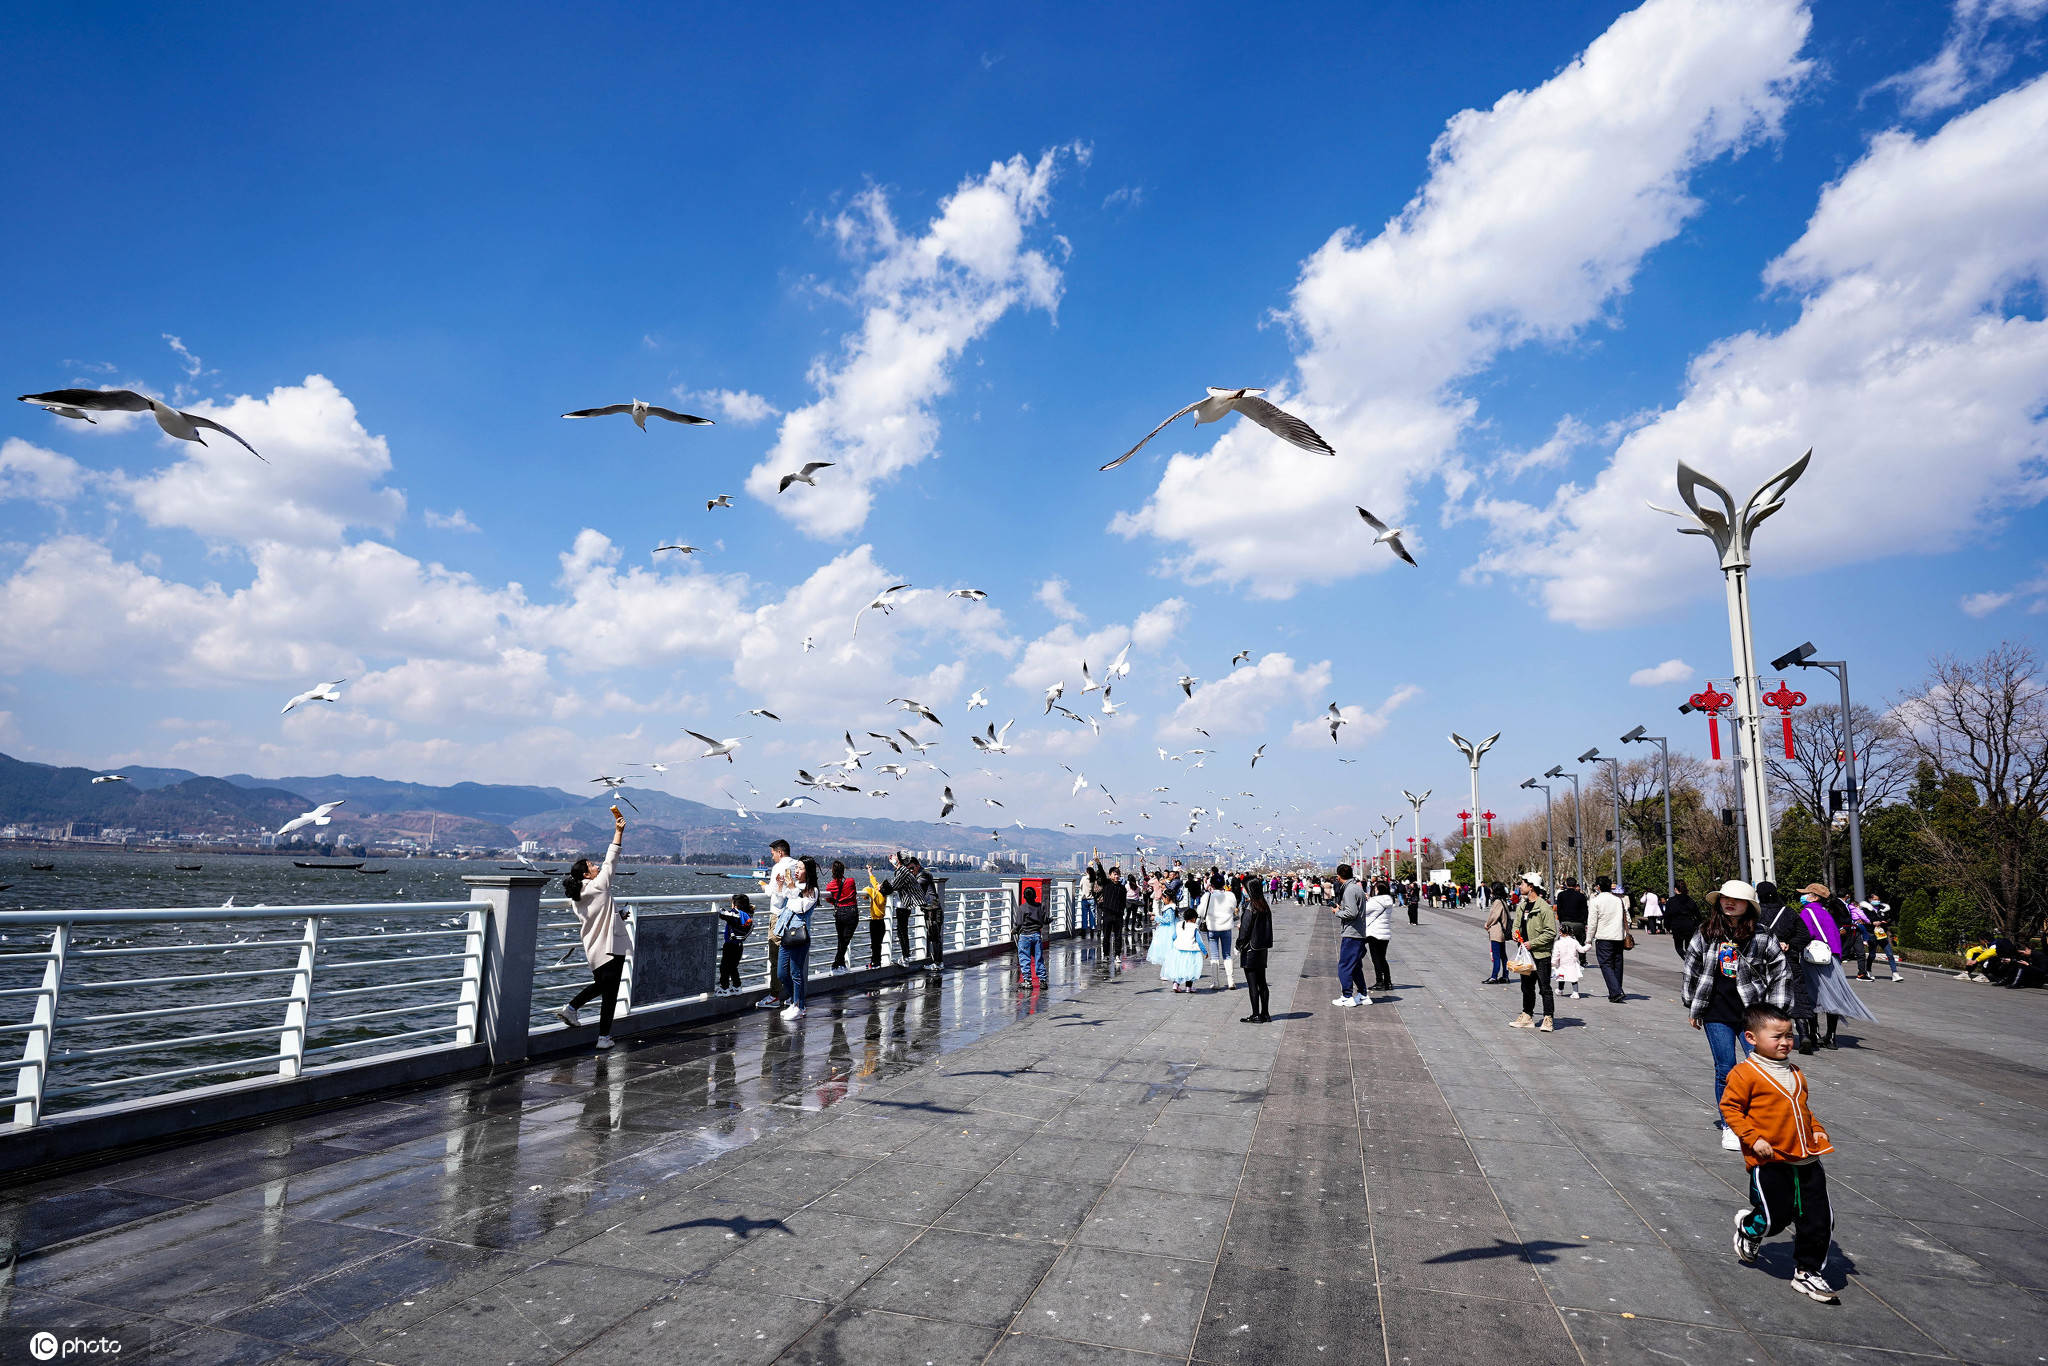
{"points": [[1731, 531], [1473, 753], [1636, 736], [1578, 820], [1594, 756], [1853, 792], [1390, 824], [1417, 802], [1549, 833]]}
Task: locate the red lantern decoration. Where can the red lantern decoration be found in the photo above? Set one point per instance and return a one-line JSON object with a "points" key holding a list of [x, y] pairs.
{"points": [[1464, 825], [1784, 699], [1711, 703], [1487, 816]]}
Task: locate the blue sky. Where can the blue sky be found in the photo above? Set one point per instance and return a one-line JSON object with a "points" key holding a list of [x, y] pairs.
{"points": [[1513, 260]]}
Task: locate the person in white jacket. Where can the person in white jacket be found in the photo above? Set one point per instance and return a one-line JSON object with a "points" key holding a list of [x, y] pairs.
{"points": [[603, 930], [1378, 925], [1218, 913], [1607, 931]]}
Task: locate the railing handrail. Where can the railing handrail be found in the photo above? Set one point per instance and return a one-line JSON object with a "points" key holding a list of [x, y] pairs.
{"points": [[188, 913]]}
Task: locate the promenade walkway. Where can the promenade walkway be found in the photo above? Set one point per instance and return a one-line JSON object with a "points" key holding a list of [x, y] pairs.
{"points": [[1113, 1174]]}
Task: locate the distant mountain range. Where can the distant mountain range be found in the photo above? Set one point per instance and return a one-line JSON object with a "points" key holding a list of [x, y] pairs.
{"points": [[379, 810]]}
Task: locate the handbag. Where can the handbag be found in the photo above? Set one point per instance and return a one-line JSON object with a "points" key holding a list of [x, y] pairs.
{"points": [[1628, 941], [794, 931], [1817, 952]]}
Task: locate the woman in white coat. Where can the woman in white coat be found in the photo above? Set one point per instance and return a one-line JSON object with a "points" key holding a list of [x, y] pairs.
{"points": [[603, 929], [1217, 912]]}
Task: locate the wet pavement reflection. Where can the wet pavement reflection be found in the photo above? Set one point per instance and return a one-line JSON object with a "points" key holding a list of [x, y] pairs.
{"points": [[449, 1188]]}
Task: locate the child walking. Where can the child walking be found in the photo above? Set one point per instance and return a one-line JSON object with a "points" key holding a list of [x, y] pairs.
{"points": [[1782, 1144], [1182, 964], [735, 923], [1568, 961]]}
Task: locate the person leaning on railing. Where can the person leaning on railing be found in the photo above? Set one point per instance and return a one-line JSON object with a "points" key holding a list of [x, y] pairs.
{"points": [[603, 931]]}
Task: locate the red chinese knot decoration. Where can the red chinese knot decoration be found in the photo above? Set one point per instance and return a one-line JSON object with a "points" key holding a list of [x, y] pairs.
{"points": [[1711, 702], [1487, 816], [1784, 699], [1464, 825]]}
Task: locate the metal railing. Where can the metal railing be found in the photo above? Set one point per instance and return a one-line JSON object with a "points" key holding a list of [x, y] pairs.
{"points": [[113, 1000]]}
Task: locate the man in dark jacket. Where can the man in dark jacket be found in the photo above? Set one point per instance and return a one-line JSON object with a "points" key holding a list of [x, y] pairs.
{"points": [[1112, 901], [1032, 922], [1571, 910], [1682, 914]]}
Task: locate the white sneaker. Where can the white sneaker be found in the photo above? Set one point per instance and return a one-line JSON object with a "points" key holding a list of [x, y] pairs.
{"points": [[1730, 1141], [1814, 1286], [839, 971], [1897, 978], [1343, 1001], [793, 1013], [1365, 1000], [604, 1043], [568, 1016]]}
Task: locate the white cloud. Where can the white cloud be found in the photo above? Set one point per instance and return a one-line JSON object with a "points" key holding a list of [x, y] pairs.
{"points": [[1658, 675], [1569, 435], [1053, 593], [1984, 604], [324, 474], [1125, 197], [731, 405], [925, 299], [1970, 56], [631, 618], [1536, 215], [457, 520], [1908, 358], [1360, 724], [40, 475], [1240, 701], [192, 365], [1056, 656]]}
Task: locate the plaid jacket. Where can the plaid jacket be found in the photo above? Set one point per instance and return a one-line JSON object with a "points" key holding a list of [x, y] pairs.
{"points": [[1762, 975]]}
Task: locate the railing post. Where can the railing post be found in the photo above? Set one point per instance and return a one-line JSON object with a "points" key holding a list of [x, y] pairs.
{"points": [[632, 919], [298, 1014], [512, 903], [32, 1079], [469, 1001]]}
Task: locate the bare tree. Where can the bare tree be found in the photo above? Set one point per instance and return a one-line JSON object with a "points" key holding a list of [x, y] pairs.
{"points": [[1986, 721], [1823, 760]]}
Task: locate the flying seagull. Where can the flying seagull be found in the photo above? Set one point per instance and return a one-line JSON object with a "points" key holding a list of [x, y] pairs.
{"points": [[803, 476], [880, 604], [613, 786], [1088, 683], [1109, 708], [1336, 719], [1054, 694], [1221, 403], [326, 692], [888, 740], [979, 699], [640, 413], [809, 645], [1120, 667], [919, 745], [1258, 756], [111, 778], [990, 801], [686, 549], [1080, 784], [723, 500], [761, 711], [184, 426], [1390, 536], [995, 743], [1187, 683], [319, 815], [719, 748], [971, 594], [738, 806], [946, 809], [920, 708], [1240, 657], [787, 802]]}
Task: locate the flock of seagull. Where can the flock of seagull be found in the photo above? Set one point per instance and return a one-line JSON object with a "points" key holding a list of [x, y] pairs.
{"points": [[1217, 404]]}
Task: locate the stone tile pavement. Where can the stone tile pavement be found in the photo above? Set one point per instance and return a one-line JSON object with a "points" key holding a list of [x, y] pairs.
{"points": [[1108, 1174]]}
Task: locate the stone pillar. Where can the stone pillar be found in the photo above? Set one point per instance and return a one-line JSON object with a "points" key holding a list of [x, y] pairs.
{"points": [[513, 926]]}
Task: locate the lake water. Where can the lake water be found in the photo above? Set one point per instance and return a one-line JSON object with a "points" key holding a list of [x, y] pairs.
{"points": [[263, 950]]}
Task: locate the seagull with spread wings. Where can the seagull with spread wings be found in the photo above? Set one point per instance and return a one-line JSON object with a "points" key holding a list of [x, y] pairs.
{"points": [[1187, 684], [1260, 754], [920, 708], [880, 604], [1239, 658], [971, 594], [723, 500], [979, 699], [1335, 717], [718, 748], [640, 412], [319, 815], [1222, 402], [804, 475], [184, 426], [1388, 536], [325, 692], [996, 743]]}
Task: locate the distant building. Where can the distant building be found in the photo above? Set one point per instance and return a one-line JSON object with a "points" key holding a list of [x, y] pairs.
{"points": [[81, 830]]}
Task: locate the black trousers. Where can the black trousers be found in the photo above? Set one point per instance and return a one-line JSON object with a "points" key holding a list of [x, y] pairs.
{"points": [[1781, 1194], [1261, 994], [1381, 981], [1414, 909], [1612, 959], [878, 930], [902, 934], [1112, 931], [1533, 982], [729, 963], [935, 935], [845, 922], [604, 981]]}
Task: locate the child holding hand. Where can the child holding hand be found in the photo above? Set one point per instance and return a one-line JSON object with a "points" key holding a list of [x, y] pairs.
{"points": [[1765, 1106], [1568, 961]]}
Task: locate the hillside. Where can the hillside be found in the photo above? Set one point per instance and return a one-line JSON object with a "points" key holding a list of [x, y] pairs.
{"points": [[46, 795]]}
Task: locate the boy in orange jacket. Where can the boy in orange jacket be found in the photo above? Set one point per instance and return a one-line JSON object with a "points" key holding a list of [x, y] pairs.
{"points": [[1765, 1106]]}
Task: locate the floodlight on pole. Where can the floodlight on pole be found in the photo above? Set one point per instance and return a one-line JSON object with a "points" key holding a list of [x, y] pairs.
{"points": [[1473, 753], [1578, 821], [1549, 832], [1417, 802], [1731, 530], [1594, 756], [1638, 736], [1802, 657]]}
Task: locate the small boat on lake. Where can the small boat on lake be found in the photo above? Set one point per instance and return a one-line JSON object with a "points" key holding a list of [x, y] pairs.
{"points": [[186, 867], [372, 872], [42, 867], [328, 867]]}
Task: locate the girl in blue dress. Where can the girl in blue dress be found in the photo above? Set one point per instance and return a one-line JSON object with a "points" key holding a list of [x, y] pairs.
{"points": [[1184, 957], [1163, 919]]}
